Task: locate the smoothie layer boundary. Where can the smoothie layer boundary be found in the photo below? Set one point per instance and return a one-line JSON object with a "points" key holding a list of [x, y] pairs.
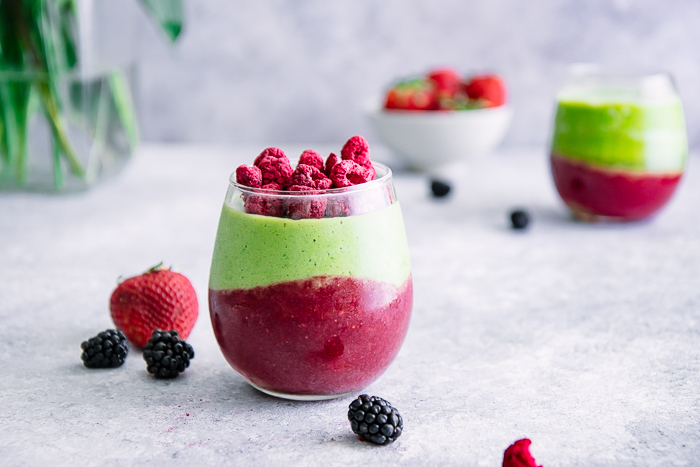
{"points": [[624, 134], [252, 250]]}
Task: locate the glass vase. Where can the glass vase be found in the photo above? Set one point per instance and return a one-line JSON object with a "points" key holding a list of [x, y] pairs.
{"points": [[67, 117]]}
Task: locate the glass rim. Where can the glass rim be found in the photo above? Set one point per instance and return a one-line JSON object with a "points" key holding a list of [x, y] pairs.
{"points": [[377, 182], [615, 71]]}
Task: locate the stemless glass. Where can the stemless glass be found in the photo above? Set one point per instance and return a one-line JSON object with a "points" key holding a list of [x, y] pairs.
{"points": [[310, 293], [619, 143]]}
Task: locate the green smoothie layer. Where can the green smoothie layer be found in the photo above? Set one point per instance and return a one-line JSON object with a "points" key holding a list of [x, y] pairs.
{"points": [[253, 250], [621, 132]]}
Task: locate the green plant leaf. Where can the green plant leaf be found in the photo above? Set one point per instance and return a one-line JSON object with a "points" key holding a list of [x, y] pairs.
{"points": [[68, 19], [57, 170], [5, 159], [11, 54], [125, 107], [20, 91], [14, 96], [47, 37], [168, 14]]}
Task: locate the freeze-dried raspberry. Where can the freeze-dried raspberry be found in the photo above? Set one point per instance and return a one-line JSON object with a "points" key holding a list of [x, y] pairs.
{"points": [[254, 204], [276, 171], [518, 455], [356, 149], [273, 186], [309, 176], [304, 206], [324, 183], [264, 205], [338, 206], [274, 166], [371, 173], [249, 176], [275, 207], [348, 173], [330, 162], [270, 152], [311, 158]]}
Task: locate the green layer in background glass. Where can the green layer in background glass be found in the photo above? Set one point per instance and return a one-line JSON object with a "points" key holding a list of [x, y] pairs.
{"points": [[626, 135], [252, 250]]}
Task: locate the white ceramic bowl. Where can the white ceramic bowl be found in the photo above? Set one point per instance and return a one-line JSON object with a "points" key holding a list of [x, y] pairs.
{"points": [[430, 139]]}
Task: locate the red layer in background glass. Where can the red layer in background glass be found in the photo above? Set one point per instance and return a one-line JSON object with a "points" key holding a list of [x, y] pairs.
{"points": [[324, 335], [611, 192]]}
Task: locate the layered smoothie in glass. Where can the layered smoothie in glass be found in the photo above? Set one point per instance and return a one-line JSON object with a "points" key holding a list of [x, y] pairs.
{"points": [[619, 145], [311, 308]]}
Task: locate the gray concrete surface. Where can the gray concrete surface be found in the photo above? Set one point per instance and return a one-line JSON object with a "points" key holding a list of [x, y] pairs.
{"points": [[584, 338]]}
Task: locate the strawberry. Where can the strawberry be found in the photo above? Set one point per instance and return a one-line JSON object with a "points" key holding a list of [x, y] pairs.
{"points": [[489, 88], [416, 94], [157, 299], [446, 82]]}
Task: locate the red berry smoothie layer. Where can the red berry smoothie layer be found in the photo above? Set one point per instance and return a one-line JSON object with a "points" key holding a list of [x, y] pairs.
{"points": [[323, 335], [624, 194]]}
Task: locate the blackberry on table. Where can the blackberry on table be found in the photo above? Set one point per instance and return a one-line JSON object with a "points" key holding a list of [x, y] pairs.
{"points": [[440, 188], [519, 219], [108, 349], [375, 419], [167, 355]]}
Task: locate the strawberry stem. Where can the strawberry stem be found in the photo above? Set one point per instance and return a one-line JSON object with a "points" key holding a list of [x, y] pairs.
{"points": [[156, 268]]}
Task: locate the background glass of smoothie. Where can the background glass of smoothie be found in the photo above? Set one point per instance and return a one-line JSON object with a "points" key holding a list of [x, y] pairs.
{"points": [[311, 300], [619, 144]]}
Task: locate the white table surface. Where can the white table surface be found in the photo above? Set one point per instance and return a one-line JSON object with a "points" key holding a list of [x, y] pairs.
{"points": [[584, 338]]}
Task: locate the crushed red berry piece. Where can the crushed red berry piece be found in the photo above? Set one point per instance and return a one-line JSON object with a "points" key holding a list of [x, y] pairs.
{"points": [[311, 158], [275, 167], [356, 149], [249, 176], [348, 173], [518, 455], [330, 162], [305, 207], [309, 176]]}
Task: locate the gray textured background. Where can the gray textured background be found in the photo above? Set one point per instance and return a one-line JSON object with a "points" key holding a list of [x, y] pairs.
{"points": [[299, 71]]}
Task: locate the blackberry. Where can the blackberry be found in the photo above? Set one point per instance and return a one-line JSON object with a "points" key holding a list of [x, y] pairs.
{"points": [[166, 354], [108, 349], [519, 219], [375, 419], [440, 188]]}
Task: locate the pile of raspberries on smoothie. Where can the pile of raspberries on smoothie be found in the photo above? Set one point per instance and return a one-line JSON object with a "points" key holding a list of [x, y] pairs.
{"points": [[272, 171]]}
